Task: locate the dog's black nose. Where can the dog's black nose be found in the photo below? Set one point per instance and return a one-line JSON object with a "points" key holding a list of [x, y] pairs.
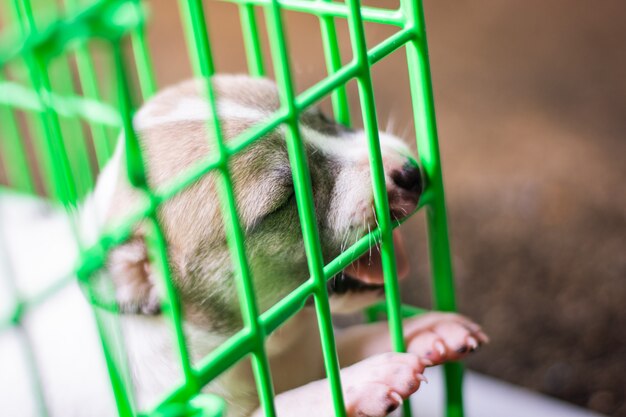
{"points": [[408, 179]]}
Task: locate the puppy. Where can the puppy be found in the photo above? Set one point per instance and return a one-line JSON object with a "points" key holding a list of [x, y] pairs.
{"points": [[172, 128]]}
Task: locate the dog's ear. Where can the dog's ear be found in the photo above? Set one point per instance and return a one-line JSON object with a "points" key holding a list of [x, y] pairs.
{"points": [[133, 278]]}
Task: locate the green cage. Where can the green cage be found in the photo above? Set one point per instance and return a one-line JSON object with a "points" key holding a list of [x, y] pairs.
{"points": [[38, 45]]}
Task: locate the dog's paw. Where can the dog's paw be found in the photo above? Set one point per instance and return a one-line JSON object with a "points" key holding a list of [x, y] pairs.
{"points": [[378, 385], [439, 337]]}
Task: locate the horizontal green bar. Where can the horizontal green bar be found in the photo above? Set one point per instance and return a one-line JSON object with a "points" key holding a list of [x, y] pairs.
{"points": [[351, 70], [106, 19], [370, 14], [379, 310], [391, 44], [9, 321], [20, 97], [212, 365], [287, 306]]}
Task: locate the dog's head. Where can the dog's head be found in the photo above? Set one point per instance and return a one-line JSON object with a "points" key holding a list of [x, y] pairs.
{"points": [[172, 128]]}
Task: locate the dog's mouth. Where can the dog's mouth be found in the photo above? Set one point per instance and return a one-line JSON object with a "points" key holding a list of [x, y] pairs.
{"points": [[366, 273]]}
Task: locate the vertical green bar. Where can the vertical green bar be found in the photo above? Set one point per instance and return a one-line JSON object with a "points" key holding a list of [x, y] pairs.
{"points": [[381, 203], [62, 173], [143, 62], [332, 55], [37, 125], [86, 71], [89, 85], [427, 141], [198, 41], [72, 132], [304, 198], [252, 41], [135, 165], [109, 330], [55, 154]]}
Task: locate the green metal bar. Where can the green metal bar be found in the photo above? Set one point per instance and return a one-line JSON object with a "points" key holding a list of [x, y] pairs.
{"points": [[332, 9], [104, 19], [108, 327], [86, 71], [214, 364], [333, 64], [381, 203], [62, 173], [251, 40], [143, 61], [427, 141], [91, 110], [304, 199], [200, 44], [35, 300], [38, 127], [73, 137], [89, 85], [156, 241]]}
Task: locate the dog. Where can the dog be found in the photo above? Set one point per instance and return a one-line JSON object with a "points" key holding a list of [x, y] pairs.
{"points": [[173, 135]]}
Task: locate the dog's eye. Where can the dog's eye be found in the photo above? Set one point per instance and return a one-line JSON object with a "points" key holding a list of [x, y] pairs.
{"points": [[321, 122], [323, 117]]}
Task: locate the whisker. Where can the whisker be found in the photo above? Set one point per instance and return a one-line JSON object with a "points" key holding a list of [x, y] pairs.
{"points": [[391, 123]]}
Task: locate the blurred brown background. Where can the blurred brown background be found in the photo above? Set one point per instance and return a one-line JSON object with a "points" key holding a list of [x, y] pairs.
{"points": [[531, 107]]}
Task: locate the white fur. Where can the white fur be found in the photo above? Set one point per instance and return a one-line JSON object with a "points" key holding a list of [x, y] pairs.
{"points": [[193, 109], [352, 147]]}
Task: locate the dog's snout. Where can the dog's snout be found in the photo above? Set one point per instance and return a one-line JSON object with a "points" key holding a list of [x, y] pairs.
{"points": [[408, 179], [405, 191]]}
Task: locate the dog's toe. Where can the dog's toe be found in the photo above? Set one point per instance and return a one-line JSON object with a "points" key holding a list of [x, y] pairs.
{"points": [[445, 337], [377, 386]]}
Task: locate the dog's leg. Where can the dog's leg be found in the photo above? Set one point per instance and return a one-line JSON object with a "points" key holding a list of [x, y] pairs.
{"points": [[373, 387], [436, 337], [132, 275]]}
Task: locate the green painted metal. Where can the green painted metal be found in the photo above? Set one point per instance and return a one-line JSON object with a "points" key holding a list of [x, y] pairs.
{"points": [[109, 24]]}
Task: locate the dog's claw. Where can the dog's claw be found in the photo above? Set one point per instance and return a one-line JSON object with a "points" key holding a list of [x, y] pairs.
{"points": [[440, 348], [396, 397], [427, 362], [443, 336], [472, 343]]}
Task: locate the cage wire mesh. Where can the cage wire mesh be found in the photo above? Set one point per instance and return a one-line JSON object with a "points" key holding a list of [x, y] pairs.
{"points": [[40, 109]]}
